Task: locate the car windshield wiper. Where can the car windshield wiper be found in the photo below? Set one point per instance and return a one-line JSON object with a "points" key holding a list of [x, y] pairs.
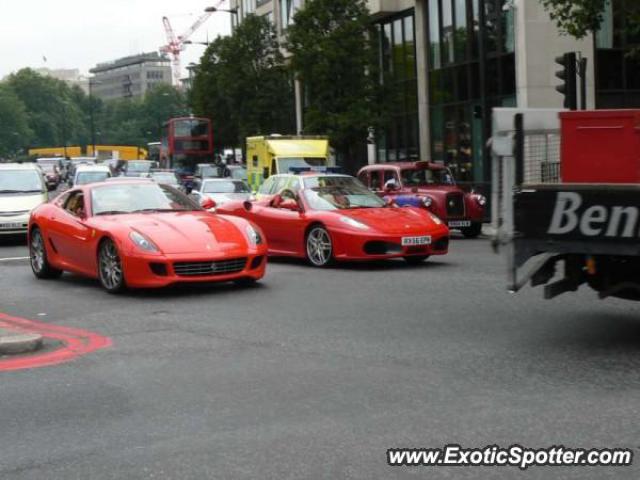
{"points": [[158, 210], [112, 212]]}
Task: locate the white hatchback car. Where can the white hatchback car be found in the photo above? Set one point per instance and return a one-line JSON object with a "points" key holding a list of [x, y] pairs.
{"points": [[91, 174], [22, 188]]}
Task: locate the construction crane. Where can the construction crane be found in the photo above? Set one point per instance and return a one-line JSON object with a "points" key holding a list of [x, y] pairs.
{"points": [[176, 44]]}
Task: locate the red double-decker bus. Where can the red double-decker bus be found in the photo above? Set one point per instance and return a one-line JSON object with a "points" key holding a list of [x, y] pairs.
{"points": [[186, 141]]}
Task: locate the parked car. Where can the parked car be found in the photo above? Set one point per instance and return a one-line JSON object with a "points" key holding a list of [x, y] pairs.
{"points": [[142, 234], [22, 188], [165, 177], [137, 168], [237, 172], [430, 186], [90, 173], [51, 170], [209, 170], [220, 190], [75, 162], [334, 217]]}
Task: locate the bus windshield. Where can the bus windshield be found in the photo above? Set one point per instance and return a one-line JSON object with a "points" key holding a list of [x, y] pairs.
{"points": [[190, 128]]}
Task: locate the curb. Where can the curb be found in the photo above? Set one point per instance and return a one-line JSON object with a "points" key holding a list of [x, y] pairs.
{"points": [[14, 344]]}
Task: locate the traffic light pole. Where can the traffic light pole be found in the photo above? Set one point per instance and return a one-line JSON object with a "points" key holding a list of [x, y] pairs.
{"points": [[582, 72]]}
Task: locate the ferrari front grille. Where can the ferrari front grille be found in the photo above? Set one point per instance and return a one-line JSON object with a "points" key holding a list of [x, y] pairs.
{"points": [[215, 267]]}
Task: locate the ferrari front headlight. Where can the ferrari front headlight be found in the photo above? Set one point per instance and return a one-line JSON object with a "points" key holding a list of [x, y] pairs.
{"points": [[143, 242], [354, 223], [254, 236]]}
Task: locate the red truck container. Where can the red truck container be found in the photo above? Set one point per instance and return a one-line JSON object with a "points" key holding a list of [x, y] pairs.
{"points": [[600, 146]]}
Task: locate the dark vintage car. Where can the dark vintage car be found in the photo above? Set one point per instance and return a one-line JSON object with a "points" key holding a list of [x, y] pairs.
{"points": [[431, 186]]}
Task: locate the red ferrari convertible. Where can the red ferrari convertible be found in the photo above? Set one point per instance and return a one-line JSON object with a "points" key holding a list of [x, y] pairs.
{"points": [[326, 217], [141, 234]]}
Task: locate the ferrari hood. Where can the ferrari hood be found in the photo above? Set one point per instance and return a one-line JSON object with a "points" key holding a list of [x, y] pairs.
{"points": [[186, 232], [15, 202], [391, 220]]}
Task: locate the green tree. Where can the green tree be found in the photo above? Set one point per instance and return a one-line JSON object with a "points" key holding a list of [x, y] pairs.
{"points": [[159, 104], [333, 56], [243, 85], [54, 114], [15, 132], [579, 18]]}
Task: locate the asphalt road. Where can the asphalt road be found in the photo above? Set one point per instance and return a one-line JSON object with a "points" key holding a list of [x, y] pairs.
{"points": [[315, 373]]}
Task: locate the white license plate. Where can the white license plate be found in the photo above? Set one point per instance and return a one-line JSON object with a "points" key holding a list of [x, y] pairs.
{"points": [[460, 223], [413, 241], [10, 226]]}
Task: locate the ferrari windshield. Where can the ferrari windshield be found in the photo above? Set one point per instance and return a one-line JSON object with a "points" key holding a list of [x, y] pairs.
{"points": [[20, 181], [339, 193], [138, 197], [420, 177]]}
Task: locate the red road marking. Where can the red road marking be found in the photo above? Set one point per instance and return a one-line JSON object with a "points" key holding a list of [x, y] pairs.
{"points": [[75, 343]]}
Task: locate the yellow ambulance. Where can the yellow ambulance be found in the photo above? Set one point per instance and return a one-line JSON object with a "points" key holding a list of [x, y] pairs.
{"points": [[274, 154]]}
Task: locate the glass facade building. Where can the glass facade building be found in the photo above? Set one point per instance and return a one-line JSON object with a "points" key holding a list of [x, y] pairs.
{"points": [[471, 70], [398, 140], [618, 72]]}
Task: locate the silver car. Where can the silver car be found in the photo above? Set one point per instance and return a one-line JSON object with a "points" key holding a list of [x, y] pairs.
{"points": [[22, 188], [220, 190]]}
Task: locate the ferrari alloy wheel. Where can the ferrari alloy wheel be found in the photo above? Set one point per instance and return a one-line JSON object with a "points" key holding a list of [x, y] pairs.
{"points": [[415, 259], [38, 257], [319, 247], [110, 267]]}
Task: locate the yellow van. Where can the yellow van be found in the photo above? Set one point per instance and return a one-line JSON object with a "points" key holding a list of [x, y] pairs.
{"points": [[276, 154]]}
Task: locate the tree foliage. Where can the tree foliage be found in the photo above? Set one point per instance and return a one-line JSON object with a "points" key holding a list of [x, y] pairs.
{"points": [[243, 85], [14, 123], [579, 18], [334, 58], [41, 111]]}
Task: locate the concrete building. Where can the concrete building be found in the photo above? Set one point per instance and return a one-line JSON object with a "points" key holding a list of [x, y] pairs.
{"points": [[130, 76], [72, 76], [452, 61]]}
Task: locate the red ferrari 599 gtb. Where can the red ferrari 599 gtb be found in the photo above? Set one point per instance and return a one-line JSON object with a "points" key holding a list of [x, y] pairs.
{"points": [[141, 234]]}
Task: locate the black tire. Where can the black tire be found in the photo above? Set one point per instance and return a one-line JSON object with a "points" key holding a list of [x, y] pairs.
{"points": [[473, 231], [415, 259], [110, 271], [318, 247], [38, 257]]}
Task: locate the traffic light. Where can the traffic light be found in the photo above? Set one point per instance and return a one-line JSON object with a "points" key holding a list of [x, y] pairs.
{"points": [[568, 75]]}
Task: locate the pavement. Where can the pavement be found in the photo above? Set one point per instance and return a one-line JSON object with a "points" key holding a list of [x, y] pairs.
{"points": [[314, 374]]}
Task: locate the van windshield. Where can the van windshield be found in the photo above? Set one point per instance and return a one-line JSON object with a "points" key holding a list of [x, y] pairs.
{"points": [[20, 181], [286, 163]]}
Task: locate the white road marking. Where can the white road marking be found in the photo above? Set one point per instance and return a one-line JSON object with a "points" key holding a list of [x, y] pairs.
{"points": [[13, 258]]}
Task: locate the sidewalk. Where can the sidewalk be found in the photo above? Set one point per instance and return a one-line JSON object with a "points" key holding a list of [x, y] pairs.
{"points": [[13, 342]]}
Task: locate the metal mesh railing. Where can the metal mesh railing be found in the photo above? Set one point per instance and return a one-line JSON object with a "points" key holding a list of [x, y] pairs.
{"points": [[541, 159]]}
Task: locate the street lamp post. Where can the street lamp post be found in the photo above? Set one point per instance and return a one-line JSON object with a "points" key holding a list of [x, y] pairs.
{"points": [[215, 9], [190, 42], [91, 119]]}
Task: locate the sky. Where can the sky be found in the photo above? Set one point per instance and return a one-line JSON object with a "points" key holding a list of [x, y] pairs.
{"points": [[82, 33]]}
